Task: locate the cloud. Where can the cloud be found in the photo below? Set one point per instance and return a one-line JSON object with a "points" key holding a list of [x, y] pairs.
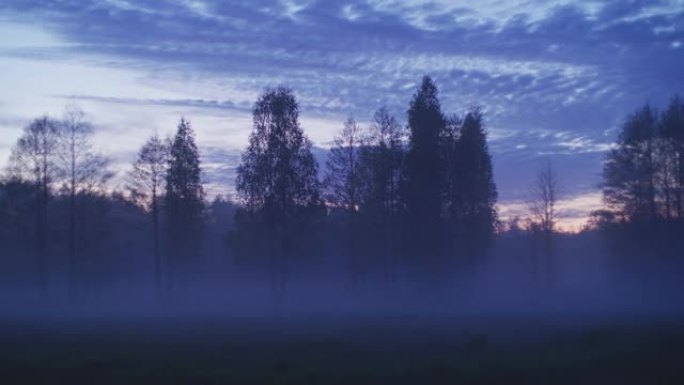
{"points": [[194, 103], [555, 78]]}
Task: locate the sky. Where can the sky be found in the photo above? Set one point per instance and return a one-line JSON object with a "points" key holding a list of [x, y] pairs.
{"points": [[556, 79]]}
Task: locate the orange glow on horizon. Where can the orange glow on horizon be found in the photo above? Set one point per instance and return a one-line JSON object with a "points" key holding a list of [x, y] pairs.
{"points": [[573, 212]]}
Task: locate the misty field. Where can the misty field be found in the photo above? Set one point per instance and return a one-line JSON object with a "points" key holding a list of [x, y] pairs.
{"points": [[355, 350]]}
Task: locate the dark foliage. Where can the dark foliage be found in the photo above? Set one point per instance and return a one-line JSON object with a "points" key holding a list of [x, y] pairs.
{"points": [[277, 181], [424, 176], [184, 202], [643, 185]]}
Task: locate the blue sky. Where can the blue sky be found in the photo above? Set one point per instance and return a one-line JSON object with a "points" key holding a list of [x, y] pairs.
{"points": [[555, 78]]}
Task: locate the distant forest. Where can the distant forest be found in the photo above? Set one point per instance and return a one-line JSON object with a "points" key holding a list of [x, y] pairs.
{"points": [[399, 203]]}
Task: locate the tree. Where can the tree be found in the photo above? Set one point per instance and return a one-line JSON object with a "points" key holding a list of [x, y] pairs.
{"points": [[424, 173], [344, 184], [277, 182], [672, 132], [544, 198], [184, 199], [476, 194], [84, 173], [343, 179], [34, 159], [629, 186], [146, 182], [382, 159], [642, 185], [453, 170]]}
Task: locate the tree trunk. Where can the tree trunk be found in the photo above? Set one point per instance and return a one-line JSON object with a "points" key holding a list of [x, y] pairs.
{"points": [[73, 259], [157, 253]]}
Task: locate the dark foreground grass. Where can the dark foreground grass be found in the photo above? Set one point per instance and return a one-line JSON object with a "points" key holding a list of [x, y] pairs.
{"points": [[341, 351]]}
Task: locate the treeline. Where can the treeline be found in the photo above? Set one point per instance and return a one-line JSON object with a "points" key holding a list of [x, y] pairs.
{"points": [[643, 185], [418, 197], [54, 176], [59, 216], [397, 203], [421, 197]]}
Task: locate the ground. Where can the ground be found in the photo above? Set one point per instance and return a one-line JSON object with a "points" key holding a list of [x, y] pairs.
{"points": [[343, 350]]}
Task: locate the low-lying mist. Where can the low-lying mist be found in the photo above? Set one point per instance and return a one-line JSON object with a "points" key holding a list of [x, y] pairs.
{"points": [[579, 283]]}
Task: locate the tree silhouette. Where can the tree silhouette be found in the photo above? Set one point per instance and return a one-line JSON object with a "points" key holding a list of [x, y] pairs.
{"points": [[277, 182], [629, 172], [642, 186], [424, 173], [382, 159], [344, 187], [477, 189], [542, 205], [83, 172], [184, 201], [146, 183], [34, 159], [544, 199], [672, 132], [453, 178], [343, 180]]}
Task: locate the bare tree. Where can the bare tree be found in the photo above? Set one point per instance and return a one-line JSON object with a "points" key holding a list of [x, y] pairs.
{"points": [[33, 159], [344, 184], [544, 199], [382, 158], [343, 180], [83, 171], [146, 181]]}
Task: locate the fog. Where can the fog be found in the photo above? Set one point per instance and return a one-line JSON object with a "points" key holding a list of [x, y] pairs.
{"points": [[585, 283], [591, 316], [394, 249]]}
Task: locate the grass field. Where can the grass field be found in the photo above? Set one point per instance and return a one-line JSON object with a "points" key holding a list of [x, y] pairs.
{"points": [[334, 350]]}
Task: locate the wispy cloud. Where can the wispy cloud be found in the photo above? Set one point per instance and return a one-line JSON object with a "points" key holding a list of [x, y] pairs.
{"points": [[554, 77], [195, 103]]}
